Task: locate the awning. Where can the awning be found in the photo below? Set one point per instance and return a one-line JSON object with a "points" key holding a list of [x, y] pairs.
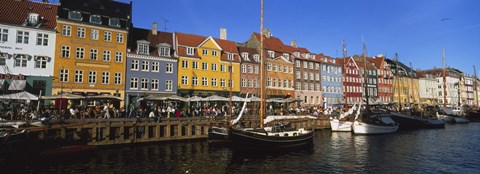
{"points": [[17, 85], [19, 96], [65, 95]]}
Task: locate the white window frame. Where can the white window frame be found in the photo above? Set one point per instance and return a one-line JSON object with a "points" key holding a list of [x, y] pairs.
{"points": [[78, 76], [92, 77], [107, 36], [81, 32], [105, 77], [42, 39], [169, 68], [66, 30]]}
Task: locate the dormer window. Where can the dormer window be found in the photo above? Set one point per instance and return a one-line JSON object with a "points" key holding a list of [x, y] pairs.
{"points": [[297, 54], [164, 51], [75, 15], [271, 54], [143, 47], [95, 19], [286, 56], [307, 56], [230, 56], [114, 22], [256, 57], [33, 19], [190, 51], [245, 56], [304, 55]]}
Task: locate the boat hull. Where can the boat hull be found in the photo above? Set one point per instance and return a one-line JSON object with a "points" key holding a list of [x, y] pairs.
{"points": [[218, 135], [445, 118], [408, 122], [364, 128], [340, 126], [460, 120], [242, 139]]}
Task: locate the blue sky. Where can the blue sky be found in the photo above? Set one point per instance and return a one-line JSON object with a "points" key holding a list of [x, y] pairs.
{"points": [[415, 29]]}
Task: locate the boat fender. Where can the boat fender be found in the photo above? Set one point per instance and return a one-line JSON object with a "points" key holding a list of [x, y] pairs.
{"points": [[285, 135], [294, 134]]}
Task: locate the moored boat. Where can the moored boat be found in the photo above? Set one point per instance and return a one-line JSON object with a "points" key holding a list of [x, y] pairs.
{"points": [[377, 124]]}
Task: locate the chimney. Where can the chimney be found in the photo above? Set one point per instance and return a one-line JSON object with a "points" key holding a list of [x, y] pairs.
{"points": [[294, 43], [223, 33], [154, 28]]}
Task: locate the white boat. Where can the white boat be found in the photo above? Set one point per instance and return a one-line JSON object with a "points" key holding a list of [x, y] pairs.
{"points": [[340, 124], [379, 124]]}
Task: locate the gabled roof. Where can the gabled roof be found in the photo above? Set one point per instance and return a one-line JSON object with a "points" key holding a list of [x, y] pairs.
{"points": [[274, 44], [137, 34], [15, 12], [189, 40], [345, 60], [360, 63], [401, 67], [250, 51], [378, 61], [106, 9]]}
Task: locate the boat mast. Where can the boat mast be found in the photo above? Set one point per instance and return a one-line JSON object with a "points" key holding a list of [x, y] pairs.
{"points": [[262, 64], [444, 81], [230, 84], [411, 84], [344, 51], [367, 107], [398, 81]]}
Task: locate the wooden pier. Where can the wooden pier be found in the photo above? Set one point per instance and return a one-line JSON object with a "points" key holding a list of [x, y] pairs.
{"points": [[100, 132]]}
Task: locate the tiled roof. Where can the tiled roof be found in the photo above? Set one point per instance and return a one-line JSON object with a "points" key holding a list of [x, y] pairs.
{"points": [[137, 34], [15, 12], [230, 47], [106, 9], [189, 40], [250, 51], [376, 60], [360, 63], [274, 44]]}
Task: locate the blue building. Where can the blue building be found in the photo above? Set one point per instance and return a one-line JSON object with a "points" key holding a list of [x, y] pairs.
{"points": [[331, 83], [151, 64]]}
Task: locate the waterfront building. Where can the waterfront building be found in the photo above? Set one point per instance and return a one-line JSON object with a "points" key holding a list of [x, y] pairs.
{"points": [[204, 66], [307, 77], [27, 46], [405, 83], [453, 76], [151, 65], [428, 88], [250, 71], [468, 97], [279, 64], [91, 47], [384, 78], [352, 81], [331, 82], [372, 85]]}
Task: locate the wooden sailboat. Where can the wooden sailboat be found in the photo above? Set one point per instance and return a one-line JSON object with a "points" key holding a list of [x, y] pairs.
{"points": [[372, 122], [268, 138]]}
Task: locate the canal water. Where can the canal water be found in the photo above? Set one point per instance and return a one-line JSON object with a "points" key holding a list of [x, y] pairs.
{"points": [[455, 149]]}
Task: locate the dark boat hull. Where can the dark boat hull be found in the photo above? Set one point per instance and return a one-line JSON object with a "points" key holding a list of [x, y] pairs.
{"points": [[241, 139], [408, 122], [218, 135]]}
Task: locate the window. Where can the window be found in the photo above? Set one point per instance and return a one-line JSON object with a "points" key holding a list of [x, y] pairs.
{"points": [[204, 81], [245, 56], [305, 75], [134, 65], [80, 32], [214, 82], [230, 56], [222, 68], [204, 66], [42, 39], [190, 50], [194, 65], [119, 38], [298, 86], [41, 62], [250, 84], [214, 53], [271, 54], [256, 69], [3, 58], [78, 76], [269, 81], [95, 19], [105, 77], [222, 82], [164, 51], [3, 34], [66, 30], [269, 66], [92, 77], [145, 65], [114, 22], [65, 51], [214, 67], [230, 83], [106, 55], [22, 37], [154, 84], [21, 60], [168, 85], [93, 54], [244, 68], [317, 66], [117, 78], [305, 86], [250, 69], [155, 66], [118, 56], [297, 75], [243, 83], [256, 83], [297, 63], [184, 80], [204, 52], [107, 36], [80, 53], [311, 76], [256, 57], [64, 75], [169, 68], [144, 84], [305, 64], [133, 83], [194, 81], [184, 64], [75, 15], [94, 34]]}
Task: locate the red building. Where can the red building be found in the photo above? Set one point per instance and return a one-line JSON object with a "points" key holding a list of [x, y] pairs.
{"points": [[385, 79], [352, 81]]}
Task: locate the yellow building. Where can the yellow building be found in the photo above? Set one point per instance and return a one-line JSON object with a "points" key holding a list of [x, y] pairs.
{"points": [[408, 90], [203, 66], [91, 48]]}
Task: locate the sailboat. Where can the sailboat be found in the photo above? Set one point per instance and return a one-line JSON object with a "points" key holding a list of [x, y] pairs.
{"points": [[268, 138], [343, 122], [407, 118], [372, 122]]}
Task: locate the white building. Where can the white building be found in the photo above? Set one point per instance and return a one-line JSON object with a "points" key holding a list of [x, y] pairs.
{"points": [[428, 89], [27, 46]]}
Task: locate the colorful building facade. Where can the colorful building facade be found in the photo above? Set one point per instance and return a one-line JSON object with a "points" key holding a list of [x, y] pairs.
{"points": [[384, 79], [352, 81], [250, 71], [331, 83]]}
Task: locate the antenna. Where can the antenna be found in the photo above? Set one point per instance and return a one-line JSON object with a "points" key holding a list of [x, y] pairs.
{"points": [[165, 23]]}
